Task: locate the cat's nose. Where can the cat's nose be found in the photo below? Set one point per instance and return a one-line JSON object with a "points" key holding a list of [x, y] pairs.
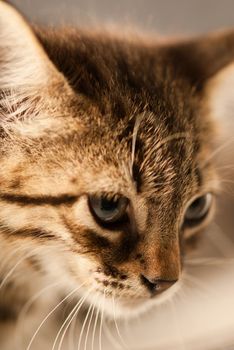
{"points": [[156, 286]]}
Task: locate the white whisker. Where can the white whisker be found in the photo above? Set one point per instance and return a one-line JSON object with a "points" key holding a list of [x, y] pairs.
{"points": [[101, 321], [95, 325], [83, 327], [9, 257], [134, 139], [116, 325], [88, 328], [70, 316], [15, 267], [110, 336], [201, 286], [28, 304], [221, 241], [50, 313], [217, 151], [74, 312], [72, 330]]}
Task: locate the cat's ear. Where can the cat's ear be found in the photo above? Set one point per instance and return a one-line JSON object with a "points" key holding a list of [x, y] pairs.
{"points": [[203, 57], [30, 84], [219, 97], [218, 93], [23, 61], [208, 64]]}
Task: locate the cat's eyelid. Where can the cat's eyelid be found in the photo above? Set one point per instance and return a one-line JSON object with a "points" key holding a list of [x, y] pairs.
{"points": [[200, 194], [108, 195]]}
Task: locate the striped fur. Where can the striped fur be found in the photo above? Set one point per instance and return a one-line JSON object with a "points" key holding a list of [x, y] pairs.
{"points": [[84, 114]]}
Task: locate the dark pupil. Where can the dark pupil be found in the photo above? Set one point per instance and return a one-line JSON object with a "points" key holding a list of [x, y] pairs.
{"points": [[108, 205], [197, 205]]}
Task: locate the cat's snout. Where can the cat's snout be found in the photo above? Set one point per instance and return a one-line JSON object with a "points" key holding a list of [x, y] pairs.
{"points": [[157, 286]]}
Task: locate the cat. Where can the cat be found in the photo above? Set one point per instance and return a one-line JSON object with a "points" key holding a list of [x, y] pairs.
{"points": [[107, 175]]}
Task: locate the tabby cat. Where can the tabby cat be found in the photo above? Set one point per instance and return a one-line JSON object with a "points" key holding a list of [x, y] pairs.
{"points": [[106, 172]]}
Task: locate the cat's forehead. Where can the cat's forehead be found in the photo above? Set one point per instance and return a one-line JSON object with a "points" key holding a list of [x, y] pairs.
{"points": [[116, 80], [115, 73], [139, 151], [129, 119]]}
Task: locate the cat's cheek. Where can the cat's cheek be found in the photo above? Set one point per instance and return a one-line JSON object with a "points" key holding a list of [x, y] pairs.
{"points": [[98, 286], [81, 270]]}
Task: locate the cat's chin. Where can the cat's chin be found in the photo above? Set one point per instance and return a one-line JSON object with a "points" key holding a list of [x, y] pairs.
{"points": [[123, 308], [129, 308]]}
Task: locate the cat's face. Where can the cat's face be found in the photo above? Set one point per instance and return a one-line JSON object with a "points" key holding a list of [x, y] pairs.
{"points": [[122, 213], [113, 169]]}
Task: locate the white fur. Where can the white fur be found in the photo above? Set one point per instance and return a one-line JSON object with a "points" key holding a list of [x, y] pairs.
{"points": [[220, 96], [23, 61], [25, 74]]}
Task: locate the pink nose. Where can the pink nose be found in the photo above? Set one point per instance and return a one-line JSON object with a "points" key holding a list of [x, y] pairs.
{"points": [[156, 286]]}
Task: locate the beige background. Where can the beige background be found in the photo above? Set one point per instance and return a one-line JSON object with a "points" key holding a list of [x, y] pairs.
{"points": [[164, 16]]}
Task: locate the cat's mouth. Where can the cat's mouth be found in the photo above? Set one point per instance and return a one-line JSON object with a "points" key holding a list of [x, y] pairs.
{"points": [[116, 291], [134, 305], [121, 307], [131, 301]]}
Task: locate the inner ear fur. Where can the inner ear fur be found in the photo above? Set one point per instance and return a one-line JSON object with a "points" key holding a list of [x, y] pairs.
{"points": [[217, 84], [30, 85], [219, 100], [23, 61]]}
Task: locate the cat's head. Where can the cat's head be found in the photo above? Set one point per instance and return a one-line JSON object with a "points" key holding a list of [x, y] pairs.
{"points": [[106, 166]]}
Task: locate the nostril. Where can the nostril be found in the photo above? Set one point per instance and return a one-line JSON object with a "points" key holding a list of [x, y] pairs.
{"points": [[157, 285], [150, 284]]}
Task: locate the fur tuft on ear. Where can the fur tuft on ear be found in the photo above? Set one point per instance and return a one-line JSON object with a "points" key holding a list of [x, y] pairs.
{"points": [[23, 61], [29, 82], [219, 94], [219, 100]]}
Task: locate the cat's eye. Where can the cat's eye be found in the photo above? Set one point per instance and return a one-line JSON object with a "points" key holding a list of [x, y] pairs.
{"points": [[108, 210], [198, 210]]}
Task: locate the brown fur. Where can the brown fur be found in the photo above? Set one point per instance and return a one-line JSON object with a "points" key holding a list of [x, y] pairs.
{"points": [[100, 86]]}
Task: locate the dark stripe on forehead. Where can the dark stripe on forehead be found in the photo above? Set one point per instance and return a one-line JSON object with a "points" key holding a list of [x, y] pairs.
{"points": [[28, 232], [38, 200]]}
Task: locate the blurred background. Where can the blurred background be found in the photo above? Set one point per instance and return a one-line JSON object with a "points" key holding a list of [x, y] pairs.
{"points": [[162, 16]]}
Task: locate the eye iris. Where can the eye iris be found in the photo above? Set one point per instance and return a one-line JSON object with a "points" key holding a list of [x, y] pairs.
{"points": [[199, 208], [108, 210], [108, 205]]}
